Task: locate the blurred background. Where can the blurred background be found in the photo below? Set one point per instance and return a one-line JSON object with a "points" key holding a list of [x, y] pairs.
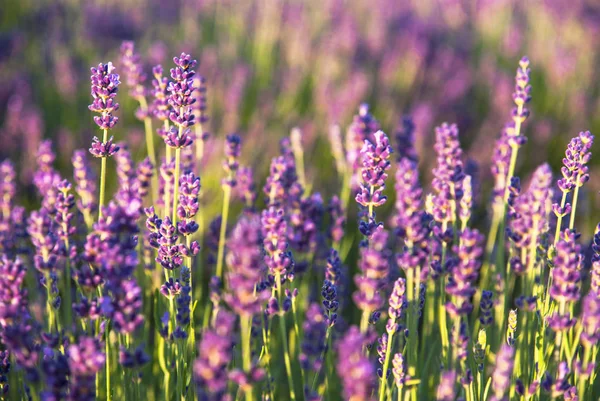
{"points": [[272, 65]]}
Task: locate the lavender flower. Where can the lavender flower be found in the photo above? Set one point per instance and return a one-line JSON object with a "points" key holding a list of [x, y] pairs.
{"points": [[374, 268], [231, 163], [245, 188], [445, 390], [56, 370], [486, 304], [86, 359], [590, 319], [399, 370], [246, 267], [408, 197], [447, 175], [521, 96], [354, 368], [529, 220], [45, 178], [4, 371], [105, 85], [210, 369], [160, 104], [44, 238], [396, 303], [8, 188], [274, 227], [375, 162], [575, 170], [181, 99], [85, 181], [187, 208], [337, 218], [134, 72], [462, 279], [501, 377], [143, 176], [363, 128], [566, 279], [313, 344], [405, 141], [126, 308], [64, 216]]}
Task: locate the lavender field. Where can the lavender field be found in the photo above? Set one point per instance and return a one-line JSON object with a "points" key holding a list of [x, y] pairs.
{"points": [[299, 200]]}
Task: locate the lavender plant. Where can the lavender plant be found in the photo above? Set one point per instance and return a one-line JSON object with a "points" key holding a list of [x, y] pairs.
{"points": [[110, 296]]}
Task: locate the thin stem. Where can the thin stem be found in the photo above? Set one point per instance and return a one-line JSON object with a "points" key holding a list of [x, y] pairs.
{"points": [[286, 353], [102, 177], [107, 351], [386, 364], [574, 206], [559, 218], [150, 148], [245, 323], [176, 182], [223, 231]]}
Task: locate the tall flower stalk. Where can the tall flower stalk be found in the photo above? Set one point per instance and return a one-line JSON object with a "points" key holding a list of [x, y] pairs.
{"points": [[135, 79], [105, 85]]}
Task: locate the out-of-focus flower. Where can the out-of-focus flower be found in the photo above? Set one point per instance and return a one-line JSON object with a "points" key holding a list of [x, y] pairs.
{"points": [[215, 354], [354, 368], [501, 378]]}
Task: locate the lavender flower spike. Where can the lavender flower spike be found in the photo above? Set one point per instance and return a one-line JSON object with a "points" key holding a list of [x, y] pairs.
{"points": [[354, 368], [502, 373]]}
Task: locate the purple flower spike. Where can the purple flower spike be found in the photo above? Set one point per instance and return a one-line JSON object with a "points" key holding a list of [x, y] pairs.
{"points": [[103, 149], [446, 389], [408, 197], [463, 277], [501, 377], [85, 360], [246, 188], [396, 303], [246, 267], [231, 163], [590, 319], [354, 368], [8, 187], [134, 72], [375, 162], [374, 269], [274, 228], [160, 104], [105, 85], [180, 99], [363, 127], [85, 181], [566, 279], [406, 141], [188, 203], [447, 175], [313, 344], [215, 354], [521, 96]]}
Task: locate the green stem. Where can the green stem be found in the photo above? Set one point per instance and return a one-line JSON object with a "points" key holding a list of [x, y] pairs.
{"points": [[559, 218], [574, 206], [176, 182], [151, 151], [245, 323], [286, 353], [107, 351], [386, 364], [102, 177], [223, 231]]}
